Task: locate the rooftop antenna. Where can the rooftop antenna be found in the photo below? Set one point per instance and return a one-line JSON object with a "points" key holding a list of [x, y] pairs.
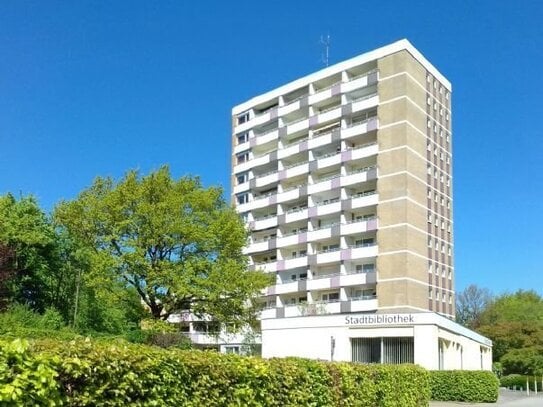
{"points": [[325, 42]]}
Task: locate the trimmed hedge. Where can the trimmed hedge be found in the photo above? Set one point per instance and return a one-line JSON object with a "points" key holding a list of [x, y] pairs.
{"points": [[464, 385], [85, 373]]}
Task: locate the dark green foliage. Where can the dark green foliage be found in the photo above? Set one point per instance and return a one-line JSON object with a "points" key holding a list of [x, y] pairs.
{"points": [[518, 382], [464, 385], [85, 373]]}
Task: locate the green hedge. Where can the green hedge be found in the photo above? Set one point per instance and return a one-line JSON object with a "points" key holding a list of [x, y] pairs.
{"points": [[85, 373], [519, 382], [464, 385]]}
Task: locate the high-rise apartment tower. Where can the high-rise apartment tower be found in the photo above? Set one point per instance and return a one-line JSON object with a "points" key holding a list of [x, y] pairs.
{"points": [[344, 178]]}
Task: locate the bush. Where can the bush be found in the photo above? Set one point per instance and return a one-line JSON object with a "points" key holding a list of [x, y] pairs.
{"points": [[464, 385], [518, 382], [116, 373]]}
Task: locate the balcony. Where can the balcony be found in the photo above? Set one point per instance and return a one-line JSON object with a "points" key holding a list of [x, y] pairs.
{"points": [[363, 303]]}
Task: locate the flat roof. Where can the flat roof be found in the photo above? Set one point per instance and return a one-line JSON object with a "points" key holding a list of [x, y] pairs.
{"points": [[397, 46]]}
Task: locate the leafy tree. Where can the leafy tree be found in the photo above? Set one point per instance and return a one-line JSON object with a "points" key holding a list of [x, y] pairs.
{"points": [[514, 322], [470, 304], [176, 243], [27, 242]]}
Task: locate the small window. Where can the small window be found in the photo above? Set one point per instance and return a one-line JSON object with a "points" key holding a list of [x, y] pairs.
{"points": [[243, 117], [430, 293], [242, 178], [242, 198], [243, 157], [243, 137]]}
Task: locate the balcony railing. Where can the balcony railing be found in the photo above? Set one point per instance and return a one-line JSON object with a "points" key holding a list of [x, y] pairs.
{"points": [[294, 210], [329, 250], [361, 194], [362, 297], [358, 245], [364, 169]]}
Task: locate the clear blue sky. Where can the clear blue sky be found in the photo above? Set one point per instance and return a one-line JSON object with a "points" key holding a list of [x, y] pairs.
{"points": [[96, 88]]}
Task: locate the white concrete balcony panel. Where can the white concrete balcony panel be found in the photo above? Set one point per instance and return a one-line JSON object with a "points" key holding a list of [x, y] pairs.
{"points": [[365, 103], [265, 223], [320, 234], [330, 115], [289, 108], [329, 161], [363, 201], [202, 338], [242, 147], [254, 204], [358, 227], [318, 284], [255, 162], [364, 305], [268, 313], [293, 311], [366, 151], [319, 140], [329, 257], [266, 138], [240, 128], [267, 267], [288, 195], [320, 96], [320, 187], [260, 119], [364, 252], [331, 307], [352, 179], [287, 241], [354, 84], [290, 287], [241, 188], [301, 169], [267, 179], [360, 128], [256, 247], [296, 216], [288, 151], [329, 209], [356, 279], [298, 126], [296, 262]]}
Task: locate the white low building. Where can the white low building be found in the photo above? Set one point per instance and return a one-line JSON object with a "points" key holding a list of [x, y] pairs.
{"points": [[426, 338]]}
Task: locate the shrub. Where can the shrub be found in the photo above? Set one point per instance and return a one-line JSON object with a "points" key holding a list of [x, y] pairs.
{"points": [[117, 373], [464, 385]]}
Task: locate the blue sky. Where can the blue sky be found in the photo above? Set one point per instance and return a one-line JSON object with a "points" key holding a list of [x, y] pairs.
{"points": [[96, 88]]}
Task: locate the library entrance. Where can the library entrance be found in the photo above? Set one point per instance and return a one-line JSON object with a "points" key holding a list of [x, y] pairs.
{"points": [[383, 350]]}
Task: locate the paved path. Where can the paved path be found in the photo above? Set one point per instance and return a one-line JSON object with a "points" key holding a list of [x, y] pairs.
{"points": [[507, 399]]}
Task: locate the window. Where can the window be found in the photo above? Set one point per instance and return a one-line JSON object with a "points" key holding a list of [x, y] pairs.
{"points": [[243, 137], [365, 268], [231, 349], [244, 216], [430, 268], [243, 117], [242, 199], [430, 292], [429, 170], [330, 297], [242, 178], [429, 101], [437, 270], [242, 157]]}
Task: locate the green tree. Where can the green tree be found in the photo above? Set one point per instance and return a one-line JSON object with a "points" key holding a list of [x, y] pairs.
{"points": [[514, 322], [28, 244], [178, 244]]}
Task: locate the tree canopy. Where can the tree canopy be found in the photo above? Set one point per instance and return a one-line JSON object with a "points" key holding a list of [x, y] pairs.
{"points": [[514, 323], [177, 244]]}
